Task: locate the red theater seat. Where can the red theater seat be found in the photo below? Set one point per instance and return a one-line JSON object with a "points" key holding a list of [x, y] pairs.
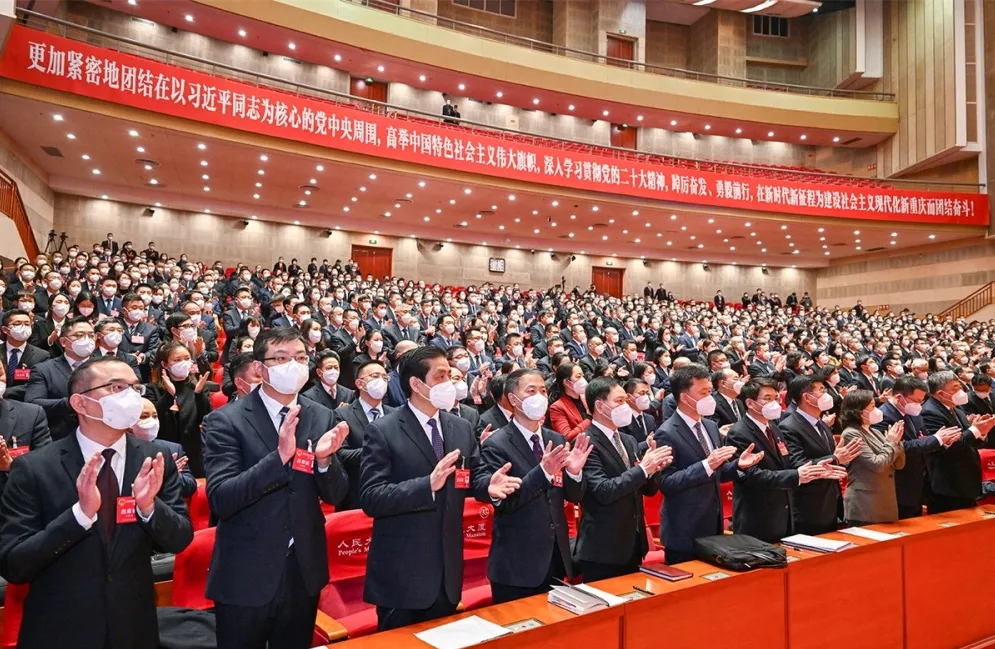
{"points": [[987, 464], [348, 535], [218, 400], [190, 572], [200, 510], [13, 612]]}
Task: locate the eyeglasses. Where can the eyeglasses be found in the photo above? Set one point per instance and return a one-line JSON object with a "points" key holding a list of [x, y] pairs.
{"points": [[280, 360], [117, 387], [82, 336]]}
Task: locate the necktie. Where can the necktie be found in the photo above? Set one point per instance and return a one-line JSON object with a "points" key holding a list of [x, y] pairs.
{"points": [[617, 441], [701, 438], [537, 448], [15, 355], [107, 486], [826, 433], [436, 439], [770, 438], [283, 415], [374, 414], [735, 409], [642, 424]]}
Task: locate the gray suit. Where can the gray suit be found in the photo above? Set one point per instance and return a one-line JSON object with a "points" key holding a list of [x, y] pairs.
{"points": [[870, 493]]}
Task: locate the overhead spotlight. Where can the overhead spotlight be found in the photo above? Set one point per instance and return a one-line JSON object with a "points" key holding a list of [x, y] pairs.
{"points": [[573, 257], [245, 223], [553, 256], [704, 265], [148, 212], [764, 270]]}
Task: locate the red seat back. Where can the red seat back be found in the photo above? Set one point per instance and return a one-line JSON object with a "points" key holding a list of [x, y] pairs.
{"points": [[218, 400], [651, 509], [987, 464], [190, 572], [13, 611], [478, 521], [348, 535], [726, 488], [200, 510]]}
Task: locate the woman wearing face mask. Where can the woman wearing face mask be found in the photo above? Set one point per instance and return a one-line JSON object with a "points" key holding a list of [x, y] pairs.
{"points": [[371, 348], [85, 306], [147, 428], [314, 339], [180, 399], [47, 330], [870, 495], [568, 411], [661, 366]]}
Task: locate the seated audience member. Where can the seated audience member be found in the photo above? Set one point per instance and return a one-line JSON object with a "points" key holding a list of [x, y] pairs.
{"points": [[48, 385], [23, 428], [147, 428], [326, 390]]}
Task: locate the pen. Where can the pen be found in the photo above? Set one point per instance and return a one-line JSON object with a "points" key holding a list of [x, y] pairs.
{"points": [[643, 591]]}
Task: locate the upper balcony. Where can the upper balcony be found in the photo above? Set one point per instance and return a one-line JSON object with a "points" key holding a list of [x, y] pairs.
{"points": [[407, 45]]}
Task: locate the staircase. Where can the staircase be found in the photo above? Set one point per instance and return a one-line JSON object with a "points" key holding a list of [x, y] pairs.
{"points": [[12, 205], [984, 296]]}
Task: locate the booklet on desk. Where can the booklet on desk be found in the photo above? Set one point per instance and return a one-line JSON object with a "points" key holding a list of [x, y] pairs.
{"points": [[663, 571], [462, 633], [815, 543], [582, 598]]}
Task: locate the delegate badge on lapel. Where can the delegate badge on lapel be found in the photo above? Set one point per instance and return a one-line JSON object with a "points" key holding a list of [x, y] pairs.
{"points": [[782, 447], [304, 460], [16, 451], [126, 512], [463, 476], [558, 479], [22, 374]]}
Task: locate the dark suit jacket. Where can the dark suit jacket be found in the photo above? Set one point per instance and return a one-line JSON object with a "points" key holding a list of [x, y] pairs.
{"points": [[111, 307], [978, 406], [861, 381], [612, 526], [319, 395], [724, 414], [84, 594], [143, 339], [954, 471], [343, 345], [48, 387], [817, 504], [529, 523], [918, 445], [27, 423], [188, 483], [690, 347], [31, 357], [692, 503], [762, 369], [231, 320], [417, 544], [762, 499], [354, 415], [469, 413], [394, 334], [492, 417], [262, 503]]}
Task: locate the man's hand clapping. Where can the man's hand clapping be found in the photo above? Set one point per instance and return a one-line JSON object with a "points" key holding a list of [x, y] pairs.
{"points": [[656, 459]]}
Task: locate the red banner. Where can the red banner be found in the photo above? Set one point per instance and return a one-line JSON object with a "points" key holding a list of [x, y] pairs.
{"points": [[71, 66]]}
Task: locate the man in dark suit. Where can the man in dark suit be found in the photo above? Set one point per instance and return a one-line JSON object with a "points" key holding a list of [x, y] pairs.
{"points": [[19, 357], [593, 362], [395, 395], [345, 343], [371, 384], [63, 525], [905, 405], [446, 337], [414, 570], [719, 300], [692, 502], [462, 410], [269, 458], [141, 338], [866, 377], [110, 334], [661, 293], [231, 319], [979, 402], [648, 290], [404, 328], [107, 302], [689, 343], [48, 386], [530, 546], [817, 505], [326, 391], [110, 245], [639, 397], [23, 428], [763, 498], [611, 540], [728, 408], [954, 472], [498, 415], [762, 366]]}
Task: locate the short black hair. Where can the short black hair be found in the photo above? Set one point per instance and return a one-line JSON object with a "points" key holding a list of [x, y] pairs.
{"points": [[853, 405], [415, 363], [275, 335], [68, 326], [598, 390], [684, 377], [79, 380], [366, 364], [512, 380], [495, 387], [631, 385], [802, 385], [752, 388], [907, 384], [13, 312], [103, 324], [239, 364], [322, 355]]}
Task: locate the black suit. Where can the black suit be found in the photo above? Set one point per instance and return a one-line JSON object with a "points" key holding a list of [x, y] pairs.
{"points": [[492, 417], [530, 542], [354, 415], [817, 505], [918, 444], [414, 571], [469, 413], [319, 395], [762, 370], [612, 539], [762, 499], [29, 358], [861, 381], [344, 345], [642, 427], [84, 594], [978, 406], [27, 423], [262, 504], [395, 334], [48, 387], [955, 471], [724, 413]]}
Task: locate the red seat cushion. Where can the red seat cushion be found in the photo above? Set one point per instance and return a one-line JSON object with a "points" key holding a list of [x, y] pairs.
{"points": [[199, 508], [13, 612], [190, 572], [477, 597]]}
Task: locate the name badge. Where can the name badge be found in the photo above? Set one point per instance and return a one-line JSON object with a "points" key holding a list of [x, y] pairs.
{"points": [[22, 374], [126, 512], [303, 461], [462, 478], [17, 451], [558, 479], [137, 340], [782, 448]]}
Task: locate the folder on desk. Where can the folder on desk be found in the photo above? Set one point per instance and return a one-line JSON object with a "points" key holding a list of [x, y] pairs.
{"points": [[663, 571], [815, 544], [462, 633]]}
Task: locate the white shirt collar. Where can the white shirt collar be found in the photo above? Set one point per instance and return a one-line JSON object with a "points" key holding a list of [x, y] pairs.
{"points": [[509, 415], [367, 407], [423, 418], [728, 399], [13, 346], [528, 433], [273, 407], [330, 389], [608, 432], [89, 448], [809, 418], [756, 422], [687, 420]]}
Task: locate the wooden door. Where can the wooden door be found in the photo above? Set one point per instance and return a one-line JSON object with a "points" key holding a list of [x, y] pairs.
{"points": [[607, 281], [378, 262], [620, 48], [623, 137], [373, 90]]}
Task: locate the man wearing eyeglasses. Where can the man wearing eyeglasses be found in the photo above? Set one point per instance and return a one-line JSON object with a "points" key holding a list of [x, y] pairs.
{"points": [[269, 457], [48, 385], [81, 517]]}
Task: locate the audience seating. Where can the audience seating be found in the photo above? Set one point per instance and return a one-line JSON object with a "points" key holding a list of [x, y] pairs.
{"points": [[13, 611], [199, 508], [348, 534], [190, 572]]}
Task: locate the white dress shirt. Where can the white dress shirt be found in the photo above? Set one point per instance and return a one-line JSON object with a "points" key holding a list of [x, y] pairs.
{"points": [[423, 420], [89, 448], [367, 408], [509, 415], [704, 433], [528, 441], [610, 434]]}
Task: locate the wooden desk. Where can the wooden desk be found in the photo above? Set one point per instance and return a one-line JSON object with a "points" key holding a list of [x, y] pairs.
{"points": [[601, 629]]}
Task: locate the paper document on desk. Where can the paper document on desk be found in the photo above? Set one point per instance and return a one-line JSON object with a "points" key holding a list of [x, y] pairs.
{"points": [[581, 599], [865, 533], [814, 543], [613, 600], [462, 633]]}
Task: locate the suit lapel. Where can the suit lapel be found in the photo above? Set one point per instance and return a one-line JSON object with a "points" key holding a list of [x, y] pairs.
{"points": [[522, 446], [690, 437], [356, 409], [608, 450], [259, 419], [8, 420], [413, 429], [63, 366], [72, 457]]}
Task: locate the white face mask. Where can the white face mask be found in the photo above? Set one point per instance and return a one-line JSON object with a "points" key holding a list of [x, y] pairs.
{"points": [[136, 315], [448, 329], [738, 387], [3, 388], [113, 339], [825, 402], [26, 306], [834, 380], [147, 429], [705, 406], [188, 334], [516, 350], [60, 310], [959, 398], [83, 347], [376, 346], [288, 378], [913, 409], [314, 336], [330, 376], [253, 332], [771, 410], [621, 416], [599, 349], [180, 371], [121, 411], [376, 388], [535, 406], [643, 402], [20, 333], [875, 417], [462, 389], [442, 395], [580, 385], [463, 364]]}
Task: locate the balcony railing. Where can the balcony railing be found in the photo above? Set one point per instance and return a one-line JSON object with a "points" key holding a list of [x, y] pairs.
{"points": [[98, 38], [594, 57], [971, 304], [12, 205]]}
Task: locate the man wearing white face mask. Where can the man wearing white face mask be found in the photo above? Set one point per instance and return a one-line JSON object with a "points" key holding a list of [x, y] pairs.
{"points": [[954, 472], [110, 334], [270, 457], [639, 395], [462, 410], [593, 363], [19, 356], [23, 428], [763, 499], [531, 547], [371, 383], [104, 499], [326, 391], [48, 386], [728, 408], [692, 503], [147, 428]]}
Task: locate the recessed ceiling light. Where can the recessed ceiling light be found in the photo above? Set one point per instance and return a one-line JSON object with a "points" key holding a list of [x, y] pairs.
{"points": [[594, 208], [203, 163], [604, 237], [189, 18], [338, 58], [255, 196], [354, 199], [684, 228], [932, 236], [710, 221], [261, 172], [836, 139], [362, 189], [206, 188], [571, 107], [635, 212], [242, 33], [153, 181], [535, 101], [264, 157], [673, 122], [739, 131], [892, 242], [463, 223], [71, 136], [158, 204], [673, 217], [133, 133], [511, 197], [858, 248], [518, 220], [96, 172], [379, 68], [291, 45], [297, 222], [770, 133], [104, 196], [467, 191], [708, 127], [462, 86], [320, 168], [345, 209], [307, 192], [605, 113], [822, 238], [57, 117], [207, 211], [536, 231], [85, 156], [422, 78], [205, 177], [856, 240], [140, 149], [259, 184], [452, 201], [787, 236], [500, 94], [763, 250], [571, 235], [894, 234], [302, 203], [784, 227], [856, 232], [535, 212], [201, 146]]}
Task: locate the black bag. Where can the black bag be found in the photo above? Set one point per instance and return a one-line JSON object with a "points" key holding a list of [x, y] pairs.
{"points": [[739, 552]]}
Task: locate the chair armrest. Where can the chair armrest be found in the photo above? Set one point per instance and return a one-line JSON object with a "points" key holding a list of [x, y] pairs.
{"points": [[330, 627]]}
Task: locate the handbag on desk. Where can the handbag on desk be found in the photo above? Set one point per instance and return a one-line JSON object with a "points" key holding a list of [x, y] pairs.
{"points": [[739, 552]]}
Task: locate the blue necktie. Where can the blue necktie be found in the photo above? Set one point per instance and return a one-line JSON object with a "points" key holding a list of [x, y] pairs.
{"points": [[436, 439], [283, 415], [15, 355]]}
